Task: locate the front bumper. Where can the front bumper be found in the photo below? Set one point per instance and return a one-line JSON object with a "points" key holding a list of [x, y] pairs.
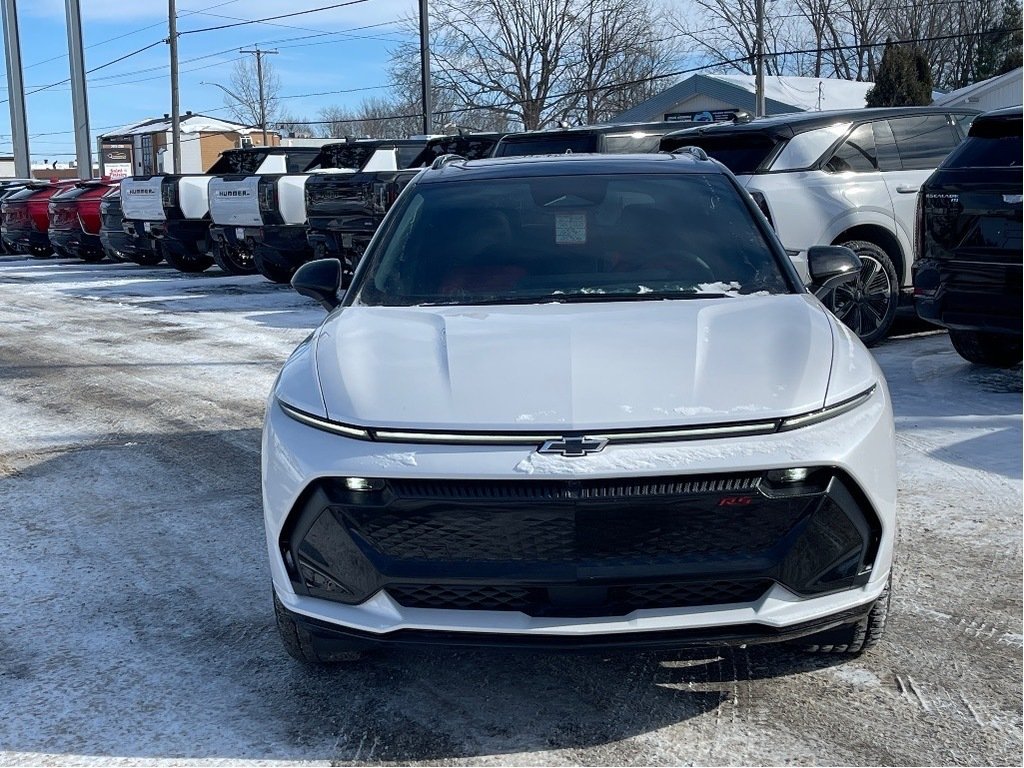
{"points": [[28, 241], [73, 243], [330, 637], [283, 246], [185, 237], [380, 560], [143, 234]]}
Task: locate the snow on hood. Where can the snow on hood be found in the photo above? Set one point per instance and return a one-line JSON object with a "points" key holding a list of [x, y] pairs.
{"points": [[576, 366]]}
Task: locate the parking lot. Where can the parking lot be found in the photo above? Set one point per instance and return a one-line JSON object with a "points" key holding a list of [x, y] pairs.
{"points": [[136, 622]]}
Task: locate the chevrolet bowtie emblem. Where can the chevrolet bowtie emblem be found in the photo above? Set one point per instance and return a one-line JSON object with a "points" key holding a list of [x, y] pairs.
{"points": [[574, 447]]}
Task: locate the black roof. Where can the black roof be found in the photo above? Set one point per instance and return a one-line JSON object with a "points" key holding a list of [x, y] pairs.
{"points": [[1007, 113], [271, 150], [999, 123], [599, 128], [567, 165], [375, 143], [789, 125]]}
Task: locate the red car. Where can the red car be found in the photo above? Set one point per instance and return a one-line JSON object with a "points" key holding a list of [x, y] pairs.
{"points": [[75, 220], [26, 218]]}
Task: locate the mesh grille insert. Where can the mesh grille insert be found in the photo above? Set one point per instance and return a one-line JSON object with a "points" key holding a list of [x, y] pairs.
{"points": [[577, 601]]}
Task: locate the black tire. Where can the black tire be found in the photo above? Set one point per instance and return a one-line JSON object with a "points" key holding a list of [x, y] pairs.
{"points": [[233, 261], [90, 255], [114, 256], [148, 258], [272, 271], [299, 644], [856, 638], [995, 349], [868, 306], [188, 262]]}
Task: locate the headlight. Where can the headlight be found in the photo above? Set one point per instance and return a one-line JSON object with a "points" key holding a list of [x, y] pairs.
{"points": [[319, 423], [814, 417]]}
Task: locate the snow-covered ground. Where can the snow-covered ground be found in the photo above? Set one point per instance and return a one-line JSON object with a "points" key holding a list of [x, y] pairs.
{"points": [[135, 616]]}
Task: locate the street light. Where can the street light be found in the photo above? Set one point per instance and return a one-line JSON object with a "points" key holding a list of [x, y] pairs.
{"points": [[240, 100]]}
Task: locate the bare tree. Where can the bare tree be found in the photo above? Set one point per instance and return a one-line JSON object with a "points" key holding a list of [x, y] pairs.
{"points": [[617, 58], [725, 34], [243, 101], [532, 63], [375, 117], [295, 126]]}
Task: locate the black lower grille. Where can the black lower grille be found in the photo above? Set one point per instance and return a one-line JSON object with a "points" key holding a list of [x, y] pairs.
{"points": [[593, 530], [613, 600], [578, 546]]}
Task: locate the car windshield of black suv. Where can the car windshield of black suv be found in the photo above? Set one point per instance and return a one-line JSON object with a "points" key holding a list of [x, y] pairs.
{"points": [[569, 238]]}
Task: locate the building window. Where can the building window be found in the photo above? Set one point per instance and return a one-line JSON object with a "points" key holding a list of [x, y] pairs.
{"points": [[148, 165]]}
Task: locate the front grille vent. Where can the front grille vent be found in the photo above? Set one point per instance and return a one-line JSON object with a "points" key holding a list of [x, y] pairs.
{"points": [[616, 600], [570, 490]]}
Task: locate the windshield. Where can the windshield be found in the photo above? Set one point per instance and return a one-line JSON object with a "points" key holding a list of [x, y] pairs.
{"points": [[569, 238], [238, 161]]}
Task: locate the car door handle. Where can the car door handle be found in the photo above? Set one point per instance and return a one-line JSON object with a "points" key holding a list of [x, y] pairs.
{"points": [[907, 189]]}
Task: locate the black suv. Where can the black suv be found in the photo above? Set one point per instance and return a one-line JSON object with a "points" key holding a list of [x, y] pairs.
{"points": [[609, 139], [967, 276]]}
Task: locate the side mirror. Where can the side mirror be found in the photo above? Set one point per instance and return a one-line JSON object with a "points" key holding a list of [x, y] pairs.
{"points": [[831, 266], [320, 280]]}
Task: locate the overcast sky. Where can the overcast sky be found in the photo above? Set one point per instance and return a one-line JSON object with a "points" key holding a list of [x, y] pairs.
{"points": [[309, 61]]}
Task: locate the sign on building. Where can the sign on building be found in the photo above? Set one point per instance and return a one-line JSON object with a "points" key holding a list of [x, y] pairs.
{"points": [[116, 155], [703, 116]]}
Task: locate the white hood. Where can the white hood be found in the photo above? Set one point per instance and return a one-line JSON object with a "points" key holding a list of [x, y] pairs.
{"points": [[576, 366]]}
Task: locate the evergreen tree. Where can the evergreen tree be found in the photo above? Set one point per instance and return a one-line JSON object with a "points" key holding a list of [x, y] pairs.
{"points": [[904, 79]]}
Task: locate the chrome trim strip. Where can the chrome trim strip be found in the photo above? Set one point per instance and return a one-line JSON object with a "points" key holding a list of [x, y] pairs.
{"points": [[474, 438], [695, 433], [318, 423], [805, 419], [671, 434]]}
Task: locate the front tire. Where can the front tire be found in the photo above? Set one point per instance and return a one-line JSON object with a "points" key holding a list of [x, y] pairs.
{"points": [[189, 263], [995, 349], [233, 261], [273, 272], [868, 306], [853, 639], [298, 642]]}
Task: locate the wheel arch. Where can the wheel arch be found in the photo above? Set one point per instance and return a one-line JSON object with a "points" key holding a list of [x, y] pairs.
{"points": [[883, 238]]}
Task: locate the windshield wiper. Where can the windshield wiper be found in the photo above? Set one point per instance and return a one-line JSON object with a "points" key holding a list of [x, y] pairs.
{"points": [[647, 296]]}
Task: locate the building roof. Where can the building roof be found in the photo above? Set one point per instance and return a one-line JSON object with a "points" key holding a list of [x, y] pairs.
{"points": [[189, 123], [976, 90], [782, 94]]}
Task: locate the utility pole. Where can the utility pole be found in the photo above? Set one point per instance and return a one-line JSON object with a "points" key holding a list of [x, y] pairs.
{"points": [[259, 76], [16, 91], [759, 59], [79, 97], [172, 40], [428, 108]]}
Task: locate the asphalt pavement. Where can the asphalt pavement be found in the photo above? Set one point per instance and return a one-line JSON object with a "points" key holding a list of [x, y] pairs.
{"points": [[135, 614]]}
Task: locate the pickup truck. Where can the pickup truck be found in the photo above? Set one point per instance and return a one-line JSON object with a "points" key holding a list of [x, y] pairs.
{"points": [[75, 220], [264, 215], [121, 242], [174, 209], [344, 211], [26, 218]]}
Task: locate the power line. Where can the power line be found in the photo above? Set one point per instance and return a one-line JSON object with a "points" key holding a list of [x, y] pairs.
{"points": [[273, 18], [640, 81]]}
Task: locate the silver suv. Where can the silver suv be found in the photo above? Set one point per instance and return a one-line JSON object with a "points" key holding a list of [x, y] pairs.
{"points": [[841, 178]]}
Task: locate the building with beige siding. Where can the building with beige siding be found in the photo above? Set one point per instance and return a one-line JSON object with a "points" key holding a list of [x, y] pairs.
{"points": [[146, 147]]}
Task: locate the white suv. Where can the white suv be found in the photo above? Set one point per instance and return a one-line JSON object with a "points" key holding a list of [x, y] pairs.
{"points": [[841, 178]]}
